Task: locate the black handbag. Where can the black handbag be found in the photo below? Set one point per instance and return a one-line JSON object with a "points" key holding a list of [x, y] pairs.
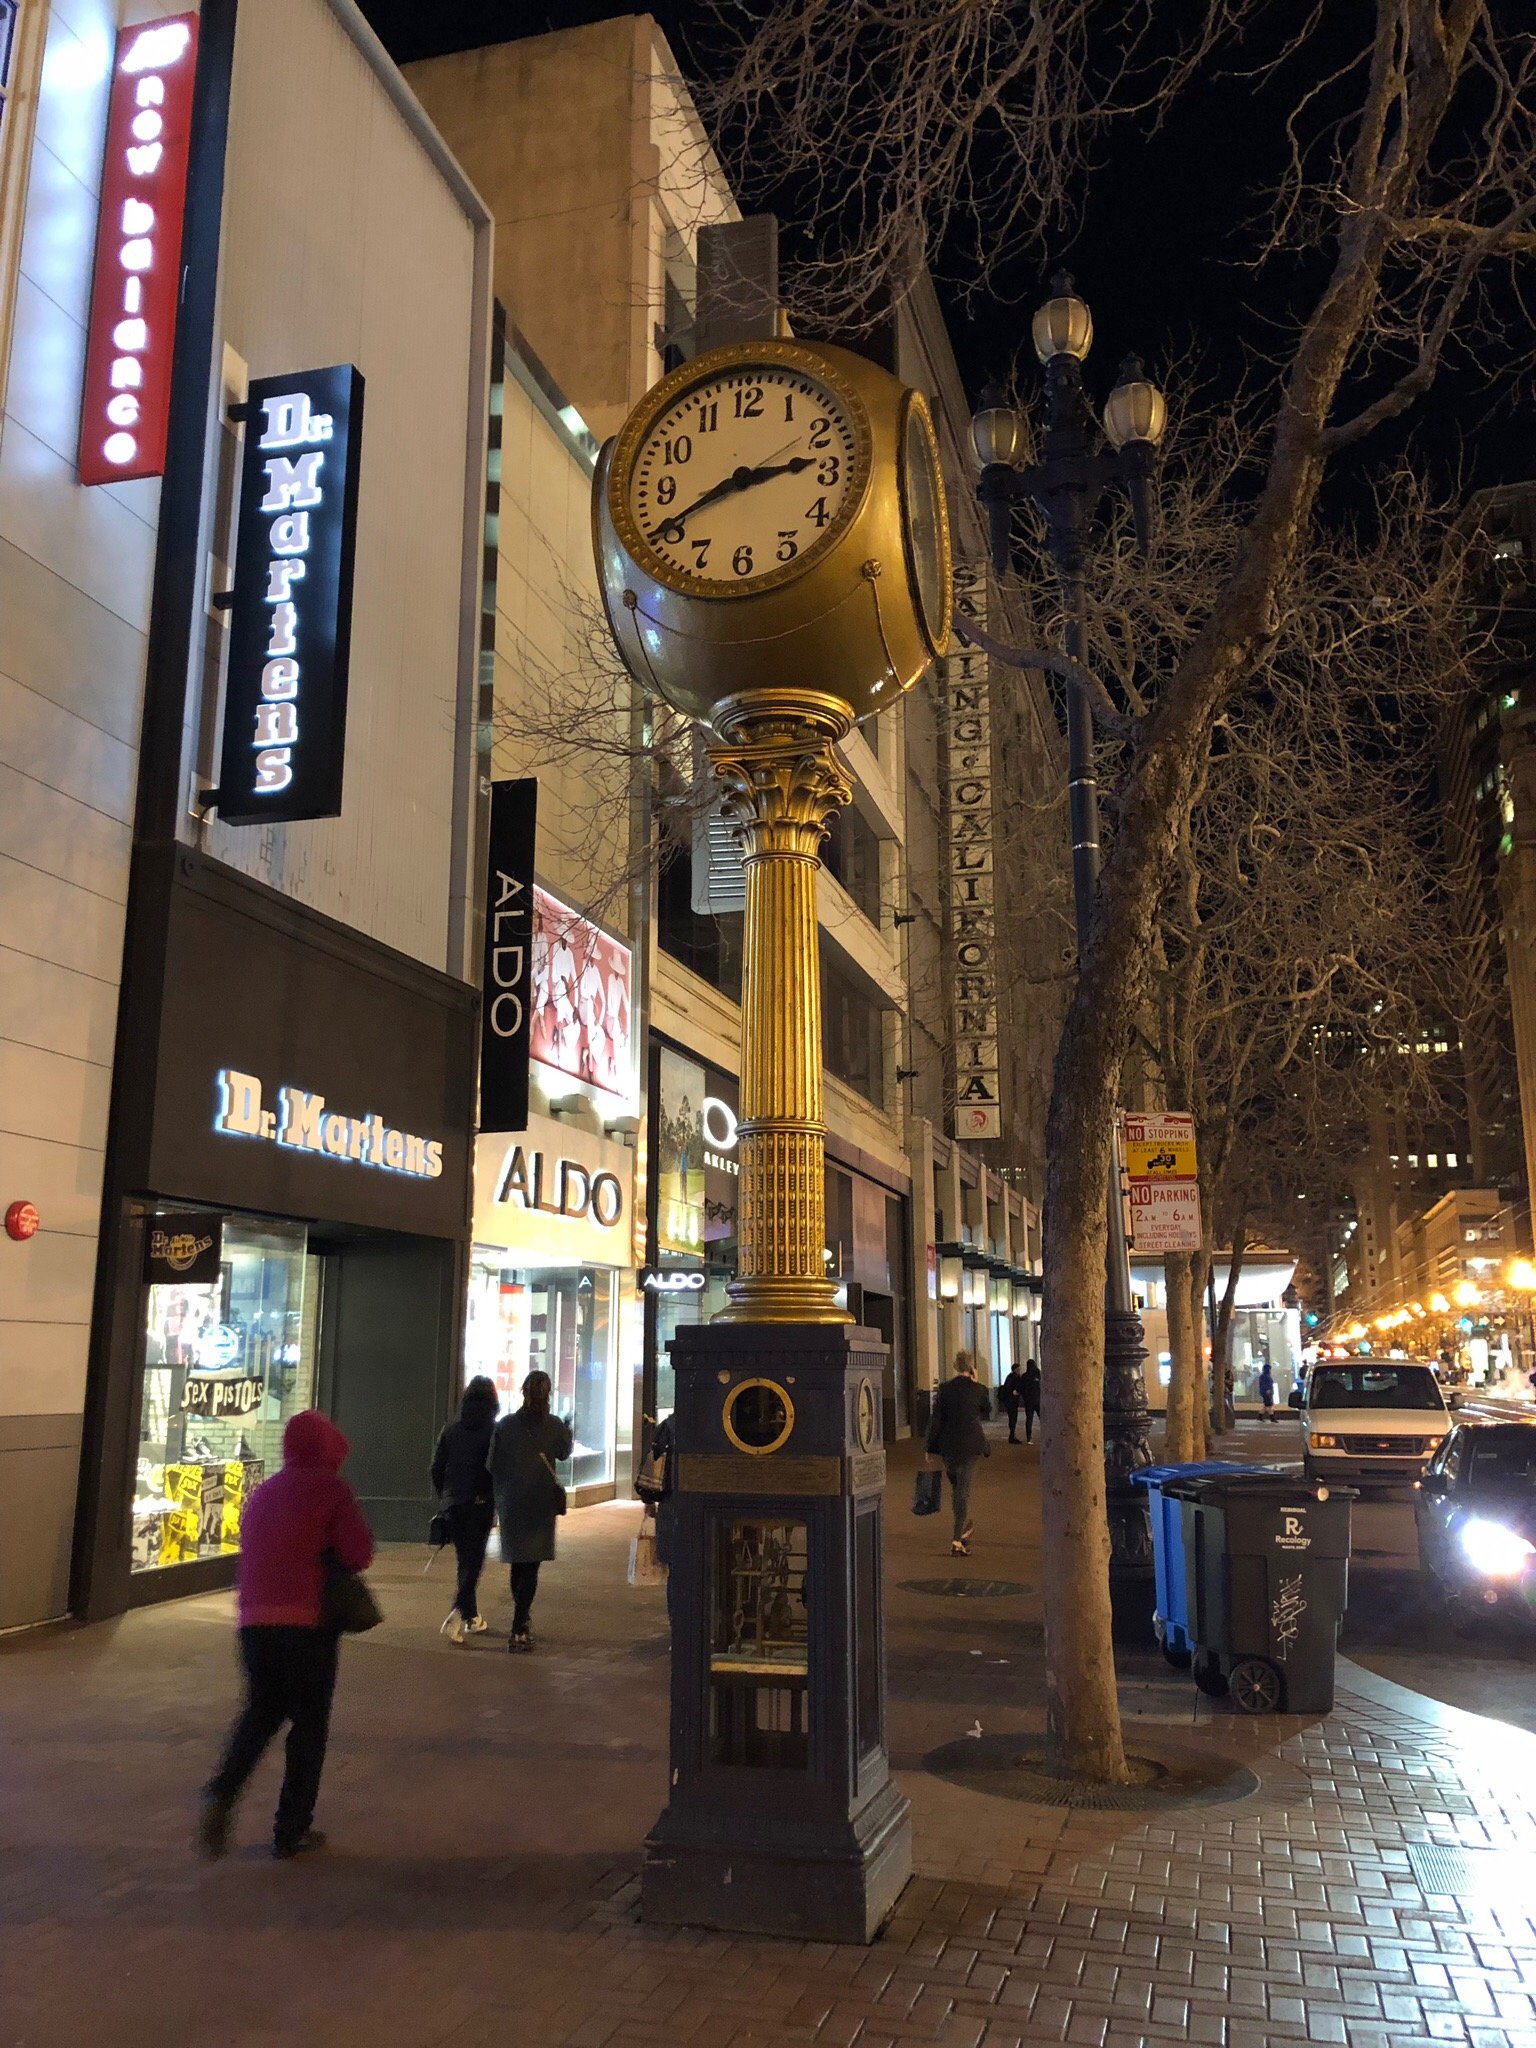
{"points": [[347, 1604], [438, 1533], [561, 1501], [928, 1494]]}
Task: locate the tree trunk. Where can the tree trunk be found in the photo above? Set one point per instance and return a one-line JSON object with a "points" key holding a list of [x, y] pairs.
{"points": [[1180, 1430], [1223, 1406], [1200, 1435]]}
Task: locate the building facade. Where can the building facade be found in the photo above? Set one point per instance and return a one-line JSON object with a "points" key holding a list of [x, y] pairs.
{"points": [[237, 1029]]}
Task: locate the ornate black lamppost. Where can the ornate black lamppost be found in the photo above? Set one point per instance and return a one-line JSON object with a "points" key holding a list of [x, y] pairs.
{"points": [[1066, 484]]}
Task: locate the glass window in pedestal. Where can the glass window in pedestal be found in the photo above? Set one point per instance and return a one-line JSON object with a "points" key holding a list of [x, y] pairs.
{"points": [[759, 1707]]}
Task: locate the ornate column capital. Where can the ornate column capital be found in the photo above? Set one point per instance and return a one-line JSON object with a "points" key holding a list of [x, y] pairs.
{"points": [[781, 779]]}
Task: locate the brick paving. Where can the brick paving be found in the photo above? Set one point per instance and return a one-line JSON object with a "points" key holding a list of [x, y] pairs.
{"points": [[485, 1815]]}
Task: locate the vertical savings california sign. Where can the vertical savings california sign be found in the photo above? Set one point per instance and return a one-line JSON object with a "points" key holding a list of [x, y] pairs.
{"points": [[136, 285], [290, 613]]}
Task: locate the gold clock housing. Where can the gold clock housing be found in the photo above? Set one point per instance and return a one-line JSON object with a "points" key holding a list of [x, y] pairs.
{"points": [[860, 608]]}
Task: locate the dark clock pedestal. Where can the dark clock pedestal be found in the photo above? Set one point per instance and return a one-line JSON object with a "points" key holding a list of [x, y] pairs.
{"points": [[782, 1818]]}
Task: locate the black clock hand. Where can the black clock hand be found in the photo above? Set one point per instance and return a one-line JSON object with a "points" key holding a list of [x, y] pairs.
{"points": [[723, 489], [738, 480]]}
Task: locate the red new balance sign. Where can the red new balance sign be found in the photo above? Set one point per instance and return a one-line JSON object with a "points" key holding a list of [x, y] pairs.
{"points": [[127, 392]]}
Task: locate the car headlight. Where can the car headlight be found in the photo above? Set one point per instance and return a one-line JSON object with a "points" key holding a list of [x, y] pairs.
{"points": [[1494, 1551], [1433, 1443], [1320, 1442]]}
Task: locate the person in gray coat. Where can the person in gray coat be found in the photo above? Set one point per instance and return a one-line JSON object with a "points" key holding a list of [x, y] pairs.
{"points": [[527, 1446]]}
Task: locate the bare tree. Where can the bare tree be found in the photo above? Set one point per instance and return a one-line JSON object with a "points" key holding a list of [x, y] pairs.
{"points": [[1412, 175]]}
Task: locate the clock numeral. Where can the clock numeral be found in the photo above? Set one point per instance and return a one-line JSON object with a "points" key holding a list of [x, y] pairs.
{"points": [[666, 490], [830, 470], [821, 433], [678, 450], [749, 403], [709, 416], [818, 514], [701, 553], [741, 561], [789, 545], [789, 405]]}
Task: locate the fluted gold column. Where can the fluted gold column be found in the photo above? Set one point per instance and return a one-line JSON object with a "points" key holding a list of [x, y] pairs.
{"points": [[782, 783]]}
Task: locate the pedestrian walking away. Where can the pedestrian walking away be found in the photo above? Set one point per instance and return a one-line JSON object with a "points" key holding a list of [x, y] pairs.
{"points": [[303, 1516], [461, 1479], [957, 1440], [1267, 1389], [1031, 1399], [527, 1446], [1010, 1394]]}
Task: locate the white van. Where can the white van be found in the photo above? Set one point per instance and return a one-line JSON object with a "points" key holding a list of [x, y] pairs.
{"points": [[1372, 1420]]}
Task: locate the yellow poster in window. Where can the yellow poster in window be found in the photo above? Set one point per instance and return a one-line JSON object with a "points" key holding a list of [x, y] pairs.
{"points": [[183, 1486]]}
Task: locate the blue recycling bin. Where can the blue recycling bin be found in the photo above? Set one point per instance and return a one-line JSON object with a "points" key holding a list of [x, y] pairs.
{"points": [[1171, 1622]]}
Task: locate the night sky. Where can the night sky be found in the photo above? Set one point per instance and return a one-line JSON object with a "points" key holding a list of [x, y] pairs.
{"points": [[1158, 250]]}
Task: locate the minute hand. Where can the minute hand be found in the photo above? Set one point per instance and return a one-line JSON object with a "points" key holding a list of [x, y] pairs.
{"points": [[738, 480]]}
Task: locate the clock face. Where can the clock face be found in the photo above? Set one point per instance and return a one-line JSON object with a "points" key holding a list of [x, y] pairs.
{"points": [[925, 522], [867, 1421], [747, 475]]}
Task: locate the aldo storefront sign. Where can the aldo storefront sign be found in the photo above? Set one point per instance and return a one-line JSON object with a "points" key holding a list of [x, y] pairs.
{"points": [[290, 613], [136, 288], [554, 1194], [507, 967]]}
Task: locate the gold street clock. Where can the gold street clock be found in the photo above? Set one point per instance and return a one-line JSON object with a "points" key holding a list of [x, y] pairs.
{"points": [[773, 514]]}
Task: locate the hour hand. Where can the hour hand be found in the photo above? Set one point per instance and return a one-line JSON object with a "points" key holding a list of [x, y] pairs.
{"points": [[675, 524]]}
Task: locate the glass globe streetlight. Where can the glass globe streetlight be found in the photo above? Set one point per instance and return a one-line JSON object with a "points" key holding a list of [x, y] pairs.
{"points": [[1063, 326], [997, 432], [1137, 411]]}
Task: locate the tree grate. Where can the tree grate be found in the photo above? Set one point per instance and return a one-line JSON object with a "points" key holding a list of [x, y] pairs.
{"points": [[967, 1589], [1014, 1767]]}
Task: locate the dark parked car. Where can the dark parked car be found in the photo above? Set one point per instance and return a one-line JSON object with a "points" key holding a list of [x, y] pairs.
{"points": [[1476, 1514]]}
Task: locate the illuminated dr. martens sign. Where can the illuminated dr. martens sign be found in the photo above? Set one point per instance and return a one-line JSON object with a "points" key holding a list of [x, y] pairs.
{"points": [[306, 1123], [290, 613]]}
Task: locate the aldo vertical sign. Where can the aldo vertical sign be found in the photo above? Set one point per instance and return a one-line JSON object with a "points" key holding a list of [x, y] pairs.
{"points": [[507, 984], [126, 393], [290, 614]]}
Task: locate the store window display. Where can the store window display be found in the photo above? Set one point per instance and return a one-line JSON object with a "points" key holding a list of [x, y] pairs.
{"points": [[696, 1182], [228, 1358], [559, 1320]]}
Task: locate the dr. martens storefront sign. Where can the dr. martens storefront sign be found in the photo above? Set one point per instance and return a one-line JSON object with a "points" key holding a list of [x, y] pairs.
{"points": [[290, 613]]}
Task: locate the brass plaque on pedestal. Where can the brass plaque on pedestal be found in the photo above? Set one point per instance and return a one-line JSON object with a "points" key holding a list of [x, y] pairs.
{"points": [[701, 1473]]}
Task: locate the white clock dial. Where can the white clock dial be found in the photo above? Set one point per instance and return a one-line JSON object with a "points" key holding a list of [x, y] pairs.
{"points": [[745, 475]]}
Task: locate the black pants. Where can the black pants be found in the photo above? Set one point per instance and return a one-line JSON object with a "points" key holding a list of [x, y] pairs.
{"points": [[290, 1675], [525, 1583], [1031, 1417], [1011, 1410], [470, 1528]]}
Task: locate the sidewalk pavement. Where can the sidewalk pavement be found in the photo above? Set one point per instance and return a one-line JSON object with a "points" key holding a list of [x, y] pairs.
{"points": [[1376, 1890]]}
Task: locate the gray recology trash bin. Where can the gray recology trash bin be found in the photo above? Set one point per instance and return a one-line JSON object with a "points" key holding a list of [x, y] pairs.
{"points": [[1267, 1556]]}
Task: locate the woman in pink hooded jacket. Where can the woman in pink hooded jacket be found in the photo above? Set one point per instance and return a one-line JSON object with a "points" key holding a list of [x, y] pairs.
{"points": [[290, 1524]]}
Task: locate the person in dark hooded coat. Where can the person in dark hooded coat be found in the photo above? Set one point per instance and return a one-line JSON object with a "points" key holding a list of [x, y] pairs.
{"points": [[528, 1445], [461, 1479]]}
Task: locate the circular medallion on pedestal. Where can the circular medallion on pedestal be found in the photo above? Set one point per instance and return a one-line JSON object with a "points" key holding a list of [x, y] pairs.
{"points": [[758, 1417]]}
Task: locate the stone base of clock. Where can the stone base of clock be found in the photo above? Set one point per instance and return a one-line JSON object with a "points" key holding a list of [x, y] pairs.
{"points": [[727, 1873], [781, 1815]]}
